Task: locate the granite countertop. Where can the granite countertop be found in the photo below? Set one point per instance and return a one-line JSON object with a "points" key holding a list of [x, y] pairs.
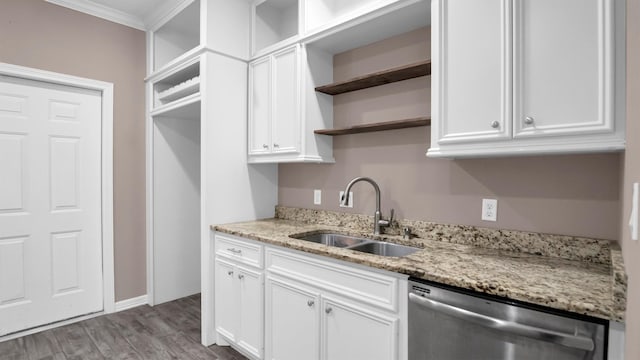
{"points": [[580, 275]]}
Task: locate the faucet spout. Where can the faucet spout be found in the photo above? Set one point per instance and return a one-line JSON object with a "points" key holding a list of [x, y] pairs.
{"points": [[378, 221]]}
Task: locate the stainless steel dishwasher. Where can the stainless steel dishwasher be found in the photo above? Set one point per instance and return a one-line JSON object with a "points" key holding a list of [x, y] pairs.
{"points": [[454, 324]]}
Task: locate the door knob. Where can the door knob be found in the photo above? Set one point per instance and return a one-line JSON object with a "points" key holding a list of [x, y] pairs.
{"points": [[310, 303], [528, 120], [276, 145], [265, 146], [328, 310], [240, 276], [229, 272], [495, 124]]}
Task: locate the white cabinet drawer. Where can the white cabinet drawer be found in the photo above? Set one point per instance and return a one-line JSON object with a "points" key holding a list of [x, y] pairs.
{"points": [[239, 250], [361, 285]]}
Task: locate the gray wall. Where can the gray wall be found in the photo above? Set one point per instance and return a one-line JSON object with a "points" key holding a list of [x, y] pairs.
{"points": [[573, 195], [37, 34]]}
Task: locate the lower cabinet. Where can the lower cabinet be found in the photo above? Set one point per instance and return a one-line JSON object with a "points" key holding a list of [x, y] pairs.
{"points": [[239, 306], [298, 306], [292, 321], [352, 332]]}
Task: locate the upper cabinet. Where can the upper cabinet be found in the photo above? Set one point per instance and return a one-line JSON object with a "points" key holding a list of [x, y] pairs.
{"points": [[293, 43], [284, 110], [514, 77]]}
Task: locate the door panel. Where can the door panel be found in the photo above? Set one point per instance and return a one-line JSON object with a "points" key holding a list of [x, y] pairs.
{"points": [[250, 335], [286, 115], [561, 68], [50, 203], [260, 107], [351, 332], [226, 308], [474, 66], [292, 313]]}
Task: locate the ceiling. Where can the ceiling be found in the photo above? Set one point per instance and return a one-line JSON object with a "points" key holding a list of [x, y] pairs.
{"points": [[139, 14]]}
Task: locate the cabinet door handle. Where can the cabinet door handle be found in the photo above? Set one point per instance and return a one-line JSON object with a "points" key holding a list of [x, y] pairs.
{"points": [[240, 276], [276, 145], [495, 124], [235, 251], [265, 146], [328, 310], [528, 120], [229, 272], [310, 303]]}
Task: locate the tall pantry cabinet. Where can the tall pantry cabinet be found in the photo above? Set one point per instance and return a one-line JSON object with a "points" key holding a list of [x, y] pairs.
{"points": [[197, 171]]}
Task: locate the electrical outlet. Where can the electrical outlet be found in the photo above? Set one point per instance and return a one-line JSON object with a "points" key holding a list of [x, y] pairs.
{"points": [[489, 209], [350, 199], [317, 197]]}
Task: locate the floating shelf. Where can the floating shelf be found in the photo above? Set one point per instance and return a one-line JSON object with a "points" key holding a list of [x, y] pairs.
{"points": [[381, 126], [405, 72]]}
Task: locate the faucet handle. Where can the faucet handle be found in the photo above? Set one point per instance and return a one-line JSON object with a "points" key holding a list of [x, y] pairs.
{"points": [[391, 217]]}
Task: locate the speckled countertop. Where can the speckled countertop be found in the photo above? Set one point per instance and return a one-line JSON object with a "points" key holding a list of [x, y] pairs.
{"points": [[580, 275]]}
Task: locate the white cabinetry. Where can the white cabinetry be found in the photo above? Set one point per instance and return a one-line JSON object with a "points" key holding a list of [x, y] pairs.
{"points": [[283, 112], [239, 294], [512, 77], [333, 311], [196, 129], [292, 312]]}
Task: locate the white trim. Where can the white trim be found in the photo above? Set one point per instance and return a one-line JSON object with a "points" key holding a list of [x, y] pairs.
{"points": [[102, 11], [106, 89], [164, 13], [131, 303]]}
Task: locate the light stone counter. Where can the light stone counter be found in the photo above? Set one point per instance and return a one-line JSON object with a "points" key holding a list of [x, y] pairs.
{"points": [[580, 275]]}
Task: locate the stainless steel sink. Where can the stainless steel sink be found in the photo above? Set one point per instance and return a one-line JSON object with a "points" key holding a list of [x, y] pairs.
{"points": [[331, 239], [358, 244], [384, 248]]}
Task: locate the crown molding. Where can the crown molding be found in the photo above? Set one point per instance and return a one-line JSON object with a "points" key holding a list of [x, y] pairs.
{"points": [[101, 11]]}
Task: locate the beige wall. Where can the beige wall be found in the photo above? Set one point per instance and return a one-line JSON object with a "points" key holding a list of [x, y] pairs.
{"points": [[631, 160], [573, 195], [37, 34]]}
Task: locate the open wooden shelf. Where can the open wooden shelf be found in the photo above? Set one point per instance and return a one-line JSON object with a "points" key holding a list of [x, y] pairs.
{"points": [[381, 126], [422, 68]]}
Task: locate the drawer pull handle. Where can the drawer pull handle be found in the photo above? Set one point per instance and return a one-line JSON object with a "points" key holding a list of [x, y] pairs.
{"points": [[276, 145], [240, 276], [235, 251], [310, 303], [265, 146], [328, 310]]}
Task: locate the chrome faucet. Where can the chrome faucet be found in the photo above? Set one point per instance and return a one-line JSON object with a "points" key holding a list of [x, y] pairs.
{"points": [[378, 221]]}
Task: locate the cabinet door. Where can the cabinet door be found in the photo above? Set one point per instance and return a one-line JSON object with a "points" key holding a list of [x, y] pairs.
{"points": [[260, 106], [472, 75], [226, 309], [250, 300], [286, 101], [292, 321], [563, 69], [351, 332]]}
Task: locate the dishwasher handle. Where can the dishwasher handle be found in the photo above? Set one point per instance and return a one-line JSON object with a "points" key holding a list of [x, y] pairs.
{"points": [[568, 340]]}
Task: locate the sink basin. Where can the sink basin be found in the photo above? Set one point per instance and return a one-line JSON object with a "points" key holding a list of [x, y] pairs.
{"points": [[331, 239], [384, 248], [374, 247]]}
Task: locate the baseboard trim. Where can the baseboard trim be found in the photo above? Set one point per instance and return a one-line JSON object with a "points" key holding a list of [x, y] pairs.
{"points": [[131, 303]]}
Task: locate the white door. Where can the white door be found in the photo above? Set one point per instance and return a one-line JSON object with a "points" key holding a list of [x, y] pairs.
{"points": [[292, 328], [351, 332], [260, 106], [285, 123], [50, 203], [250, 292], [563, 69], [472, 70]]}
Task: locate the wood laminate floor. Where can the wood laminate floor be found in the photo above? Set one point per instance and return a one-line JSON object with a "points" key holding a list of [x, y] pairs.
{"points": [[167, 331]]}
